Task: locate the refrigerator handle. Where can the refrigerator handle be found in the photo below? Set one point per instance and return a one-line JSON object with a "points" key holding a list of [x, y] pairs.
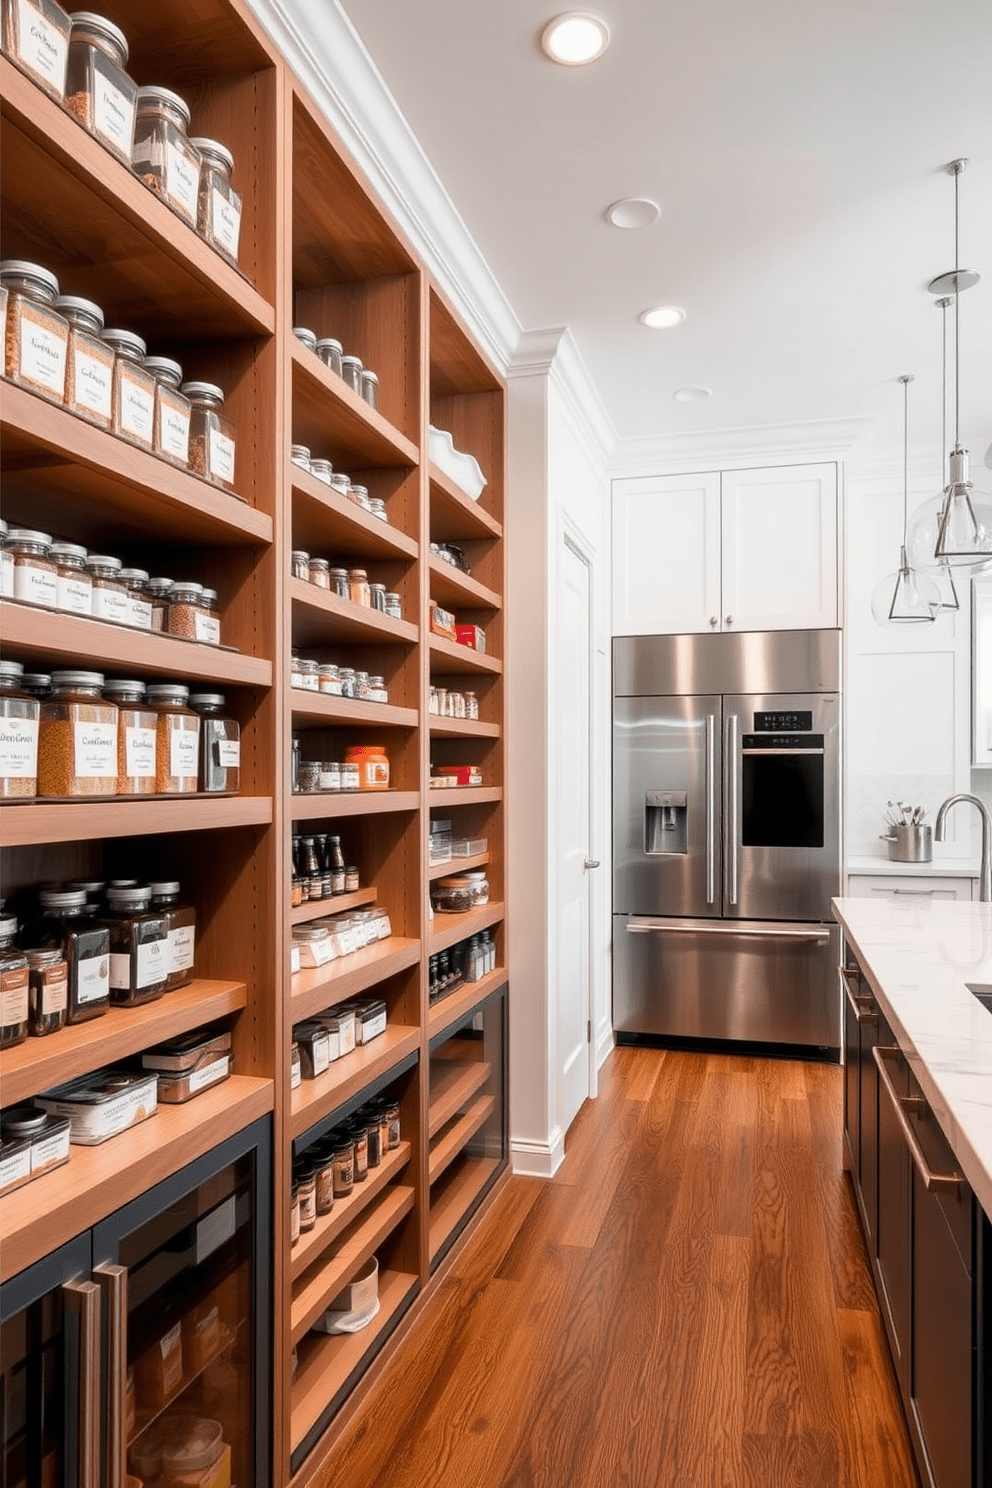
{"points": [[81, 1309], [710, 808], [112, 1281], [733, 806]]}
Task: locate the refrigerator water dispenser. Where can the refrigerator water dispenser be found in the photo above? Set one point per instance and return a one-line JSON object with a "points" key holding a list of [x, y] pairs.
{"points": [[665, 817]]}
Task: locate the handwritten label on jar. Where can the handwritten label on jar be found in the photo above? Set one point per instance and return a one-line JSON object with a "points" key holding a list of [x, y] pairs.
{"points": [[110, 604], [18, 748], [137, 406], [208, 1074], [95, 747], [54, 990], [74, 595], [221, 461], [94, 383], [182, 181], [207, 628], [184, 752], [41, 48], [181, 948], [139, 753], [13, 997], [35, 585], [93, 979], [139, 614], [173, 432], [113, 112], [229, 753], [225, 222], [43, 354]]}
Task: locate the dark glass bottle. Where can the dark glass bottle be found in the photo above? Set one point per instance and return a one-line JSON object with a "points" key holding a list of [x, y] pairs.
{"points": [[180, 928], [69, 923], [139, 947]]}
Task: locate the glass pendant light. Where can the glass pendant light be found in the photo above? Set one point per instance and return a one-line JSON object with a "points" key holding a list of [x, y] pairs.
{"points": [[905, 597], [921, 534]]}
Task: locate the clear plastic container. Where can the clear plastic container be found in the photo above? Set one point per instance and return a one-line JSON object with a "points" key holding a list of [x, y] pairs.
{"points": [[13, 987], [136, 737], [69, 924], [77, 738], [18, 735], [89, 382], [36, 39], [36, 339], [331, 353], [98, 91], [139, 609], [220, 744], [218, 215], [180, 924], [177, 747], [139, 947], [134, 389], [74, 584], [48, 992], [162, 156], [172, 411], [109, 601], [36, 572], [211, 451]]}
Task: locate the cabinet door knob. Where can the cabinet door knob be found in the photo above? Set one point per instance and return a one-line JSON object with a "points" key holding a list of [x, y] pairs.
{"points": [[712, 619], [730, 620]]}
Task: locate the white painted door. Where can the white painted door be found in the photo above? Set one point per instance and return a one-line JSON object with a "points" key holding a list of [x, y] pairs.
{"points": [[666, 554], [780, 548], [574, 825]]}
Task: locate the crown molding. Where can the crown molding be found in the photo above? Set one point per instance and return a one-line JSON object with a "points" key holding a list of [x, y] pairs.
{"points": [[553, 353], [330, 60], [704, 449]]}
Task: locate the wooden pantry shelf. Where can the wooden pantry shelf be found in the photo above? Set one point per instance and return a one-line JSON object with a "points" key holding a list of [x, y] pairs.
{"points": [[455, 515], [324, 1281], [447, 1011], [463, 795], [29, 632], [93, 482], [449, 586], [320, 987], [457, 865], [49, 1211], [458, 1191], [319, 617], [448, 658], [40, 1063], [448, 929], [335, 423], [330, 805], [329, 1226], [324, 518], [30, 822], [316, 909], [314, 1099], [452, 1083], [323, 709], [451, 1141], [462, 728]]}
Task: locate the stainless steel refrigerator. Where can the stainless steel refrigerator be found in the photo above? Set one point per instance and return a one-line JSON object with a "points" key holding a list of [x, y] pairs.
{"points": [[726, 851]]}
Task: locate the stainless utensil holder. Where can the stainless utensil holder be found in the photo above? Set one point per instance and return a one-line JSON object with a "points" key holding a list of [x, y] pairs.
{"points": [[910, 844]]}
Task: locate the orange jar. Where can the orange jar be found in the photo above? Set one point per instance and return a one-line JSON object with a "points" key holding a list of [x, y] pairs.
{"points": [[373, 766]]}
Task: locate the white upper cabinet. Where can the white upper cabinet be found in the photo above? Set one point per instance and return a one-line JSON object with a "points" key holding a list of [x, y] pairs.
{"points": [[741, 550]]}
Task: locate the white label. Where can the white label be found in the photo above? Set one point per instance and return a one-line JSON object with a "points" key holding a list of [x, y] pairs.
{"points": [[151, 958], [43, 356], [139, 613], [37, 586], [225, 222], [139, 753], [13, 998], [346, 940], [207, 628], [95, 747], [120, 971], [18, 748], [171, 1341], [209, 1074], [221, 456], [182, 180], [54, 991], [229, 754], [75, 594], [93, 979], [15, 1169], [110, 604], [181, 947], [184, 752], [50, 1150], [137, 405], [316, 952], [41, 47], [113, 112], [94, 382], [173, 432], [6, 574], [372, 1027]]}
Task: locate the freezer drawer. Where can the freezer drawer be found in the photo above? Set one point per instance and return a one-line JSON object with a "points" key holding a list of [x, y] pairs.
{"points": [[758, 981]]}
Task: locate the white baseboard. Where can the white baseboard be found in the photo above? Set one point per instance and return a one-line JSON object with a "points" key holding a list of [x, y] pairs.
{"points": [[538, 1159]]}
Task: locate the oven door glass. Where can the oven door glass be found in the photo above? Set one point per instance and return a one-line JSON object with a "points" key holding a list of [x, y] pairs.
{"points": [[781, 799]]}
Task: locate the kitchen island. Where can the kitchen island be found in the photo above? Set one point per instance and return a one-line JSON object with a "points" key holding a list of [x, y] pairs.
{"points": [[918, 1140]]}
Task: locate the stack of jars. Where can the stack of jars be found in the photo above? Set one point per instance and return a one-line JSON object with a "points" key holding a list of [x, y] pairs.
{"points": [[349, 368], [323, 471], [333, 936], [337, 681], [319, 869], [468, 961], [329, 1168], [447, 703], [366, 767]]}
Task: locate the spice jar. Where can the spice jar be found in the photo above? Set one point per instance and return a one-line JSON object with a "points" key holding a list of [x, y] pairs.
{"points": [[35, 570], [320, 573], [89, 382], [359, 1133], [306, 337], [18, 735], [48, 992], [294, 1214], [323, 1163], [74, 585], [300, 564], [378, 508], [134, 389], [322, 470], [391, 1113], [339, 582], [139, 610], [331, 352], [330, 776], [377, 595], [77, 738], [329, 678], [306, 1187], [180, 926], [36, 39], [208, 626], [6, 562], [350, 776], [394, 605], [299, 454], [99, 92], [308, 678], [158, 599], [373, 765], [109, 599], [341, 483], [349, 682], [471, 705], [177, 741], [344, 1165], [358, 586], [211, 452], [36, 341], [185, 609], [172, 411], [69, 924], [220, 744], [309, 776], [13, 987], [218, 214], [370, 388], [139, 947], [351, 371], [360, 496], [136, 735], [162, 156]]}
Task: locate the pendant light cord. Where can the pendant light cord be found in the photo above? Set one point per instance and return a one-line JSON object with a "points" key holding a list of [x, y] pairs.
{"points": [[906, 379], [958, 167]]}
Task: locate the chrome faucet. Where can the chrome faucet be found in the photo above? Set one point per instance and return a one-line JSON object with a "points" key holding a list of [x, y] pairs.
{"points": [[985, 887]]}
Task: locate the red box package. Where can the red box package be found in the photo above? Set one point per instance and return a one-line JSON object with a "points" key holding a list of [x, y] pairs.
{"points": [[471, 635], [464, 774]]}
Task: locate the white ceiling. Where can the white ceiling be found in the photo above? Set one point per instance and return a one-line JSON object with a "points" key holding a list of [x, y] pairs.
{"points": [[796, 148]]}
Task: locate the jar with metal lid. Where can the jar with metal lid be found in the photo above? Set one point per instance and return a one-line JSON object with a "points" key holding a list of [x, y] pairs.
{"points": [[306, 1187], [218, 215], [211, 434], [69, 924], [378, 692], [6, 563], [208, 625], [136, 737], [351, 371], [306, 337], [139, 947], [89, 381], [330, 776], [391, 1114], [374, 1135], [308, 674], [300, 564], [329, 678], [13, 987], [74, 585], [359, 1133], [377, 593], [172, 411], [294, 1214], [394, 605], [162, 156], [134, 389], [340, 583], [36, 572], [344, 1164], [180, 926], [349, 682], [341, 483], [185, 609], [36, 39], [323, 1161], [18, 735], [378, 508], [308, 776], [358, 586], [93, 888], [320, 573], [299, 454], [370, 388], [77, 738], [350, 776], [322, 469], [471, 705], [36, 341], [177, 740], [360, 496], [48, 991], [158, 599], [36, 684], [220, 744], [109, 599], [351, 879], [139, 609], [295, 674], [362, 688], [331, 353], [98, 91]]}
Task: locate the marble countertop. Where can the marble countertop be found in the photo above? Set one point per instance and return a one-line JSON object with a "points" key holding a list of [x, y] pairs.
{"points": [[918, 958], [939, 868]]}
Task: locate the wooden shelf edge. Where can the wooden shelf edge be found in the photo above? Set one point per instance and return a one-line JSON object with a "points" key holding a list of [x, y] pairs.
{"points": [[464, 795], [33, 822], [373, 623], [449, 929], [457, 865], [450, 1209], [444, 1152], [468, 591], [322, 380], [462, 658], [469, 728], [452, 1083], [316, 805], [312, 1100], [323, 986], [447, 1011], [322, 708], [384, 536], [316, 909], [345, 1210], [477, 517], [376, 1225]]}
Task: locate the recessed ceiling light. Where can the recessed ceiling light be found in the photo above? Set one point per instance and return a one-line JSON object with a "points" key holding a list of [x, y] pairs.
{"points": [[633, 211], [691, 395], [575, 37], [662, 317]]}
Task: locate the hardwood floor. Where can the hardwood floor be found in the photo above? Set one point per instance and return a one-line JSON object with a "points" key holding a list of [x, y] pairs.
{"points": [[686, 1303]]}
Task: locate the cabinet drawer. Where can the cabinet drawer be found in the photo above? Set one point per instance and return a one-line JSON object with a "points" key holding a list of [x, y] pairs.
{"points": [[893, 886]]}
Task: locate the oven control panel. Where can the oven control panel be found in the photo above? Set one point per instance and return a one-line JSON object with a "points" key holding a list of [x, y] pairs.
{"points": [[783, 723]]}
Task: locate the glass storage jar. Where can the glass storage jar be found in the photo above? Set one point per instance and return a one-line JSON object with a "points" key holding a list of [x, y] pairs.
{"points": [[331, 352], [208, 628], [13, 986], [134, 389], [185, 609], [378, 508], [370, 388], [320, 573], [69, 924], [377, 594], [6, 563], [329, 678], [341, 483], [36, 572], [306, 337], [218, 217], [358, 585], [394, 605], [309, 679], [162, 156], [109, 599], [220, 744], [172, 411], [177, 740], [330, 777], [89, 380], [77, 738], [349, 682], [299, 454], [18, 735], [211, 451], [36, 39], [158, 599], [48, 992], [36, 340], [451, 895], [136, 737], [340, 584], [351, 371], [300, 562], [139, 609], [180, 924], [139, 946], [360, 496], [98, 91], [74, 584], [322, 470]]}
